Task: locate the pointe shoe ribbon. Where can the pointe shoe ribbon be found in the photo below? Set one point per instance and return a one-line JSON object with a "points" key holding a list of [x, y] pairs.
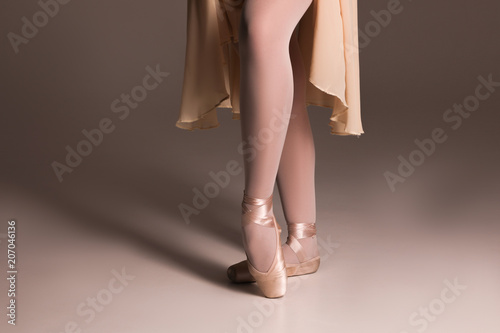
{"points": [[305, 266], [273, 282], [238, 273]]}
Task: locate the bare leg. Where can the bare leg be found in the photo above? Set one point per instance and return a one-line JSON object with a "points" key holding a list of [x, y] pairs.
{"points": [[267, 93]]}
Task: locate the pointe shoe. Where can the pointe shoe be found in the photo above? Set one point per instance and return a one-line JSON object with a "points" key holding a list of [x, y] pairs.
{"points": [[273, 282], [238, 273]]}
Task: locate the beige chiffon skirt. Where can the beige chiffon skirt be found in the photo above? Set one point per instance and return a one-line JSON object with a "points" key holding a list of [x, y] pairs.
{"points": [[328, 37]]}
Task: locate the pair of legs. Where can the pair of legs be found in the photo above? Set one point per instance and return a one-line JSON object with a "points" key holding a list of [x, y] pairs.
{"points": [[275, 126]]}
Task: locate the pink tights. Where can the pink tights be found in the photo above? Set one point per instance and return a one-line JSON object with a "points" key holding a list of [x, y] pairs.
{"points": [[275, 125]]}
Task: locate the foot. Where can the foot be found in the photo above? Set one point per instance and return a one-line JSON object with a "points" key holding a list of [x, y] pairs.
{"points": [[265, 260], [300, 253], [259, 239]]}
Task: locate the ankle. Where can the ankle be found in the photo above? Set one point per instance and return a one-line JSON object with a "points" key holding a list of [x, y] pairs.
{"points": [[301, 244], [310, 245]]}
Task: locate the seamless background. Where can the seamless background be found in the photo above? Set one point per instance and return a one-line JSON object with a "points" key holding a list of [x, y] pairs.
{"points": [[385, 254]]}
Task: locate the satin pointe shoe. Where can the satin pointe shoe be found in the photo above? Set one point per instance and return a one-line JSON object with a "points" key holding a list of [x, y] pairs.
{"points": [[273, 282], [298, 231], [238, 273]]}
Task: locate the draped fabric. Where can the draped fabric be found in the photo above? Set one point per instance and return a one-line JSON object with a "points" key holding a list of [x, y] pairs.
{"points": [[328, 38]]}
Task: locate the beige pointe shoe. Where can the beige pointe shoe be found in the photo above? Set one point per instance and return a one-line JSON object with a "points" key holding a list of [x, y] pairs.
{"points": [[273, 282], [239, 273]]}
